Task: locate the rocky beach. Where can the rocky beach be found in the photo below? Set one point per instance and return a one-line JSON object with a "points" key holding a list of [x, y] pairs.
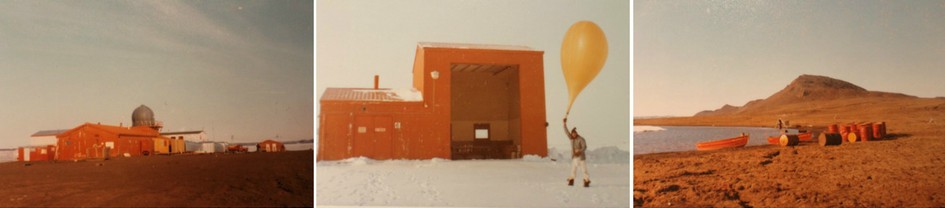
{"points": [[902, 170]]}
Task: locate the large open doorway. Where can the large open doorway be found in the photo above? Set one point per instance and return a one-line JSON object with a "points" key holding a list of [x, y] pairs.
{"points": [[485, 112]]}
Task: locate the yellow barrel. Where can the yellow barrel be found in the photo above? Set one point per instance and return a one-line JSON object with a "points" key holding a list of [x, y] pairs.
{"points": [[789, 140]]}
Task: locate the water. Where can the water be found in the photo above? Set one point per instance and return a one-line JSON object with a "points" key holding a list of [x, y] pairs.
{"points": [[684, 138]]}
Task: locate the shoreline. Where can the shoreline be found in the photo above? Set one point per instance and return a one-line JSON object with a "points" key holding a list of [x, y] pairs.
{"points": [[817, 130]]}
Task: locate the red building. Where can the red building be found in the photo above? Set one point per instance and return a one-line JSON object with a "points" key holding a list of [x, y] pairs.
{"points": [[467, 101], [91, 141], [270, 146], [98, 141], [36, 153]]}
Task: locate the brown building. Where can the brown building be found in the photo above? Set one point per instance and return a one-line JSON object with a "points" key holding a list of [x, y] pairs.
{"points": [[270, 146], [467, 101], [91, 141], [36, 153]]}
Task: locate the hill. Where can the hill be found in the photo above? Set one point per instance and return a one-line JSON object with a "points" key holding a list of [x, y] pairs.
{"points": [[812, 100]]}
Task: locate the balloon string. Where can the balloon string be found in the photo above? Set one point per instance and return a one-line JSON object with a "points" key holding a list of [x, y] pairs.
{"points": [[568, 112]]}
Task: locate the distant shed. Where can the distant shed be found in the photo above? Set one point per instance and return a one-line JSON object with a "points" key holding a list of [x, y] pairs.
{"points": [[192, 139], [270, 146], [468, 101], [164, 145], [36, 153]]}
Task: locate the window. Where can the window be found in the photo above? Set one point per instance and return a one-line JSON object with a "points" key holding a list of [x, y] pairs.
{"points": [[481, 130]]}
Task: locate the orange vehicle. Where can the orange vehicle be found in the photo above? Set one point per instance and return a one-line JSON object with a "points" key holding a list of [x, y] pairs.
{"points": [[236, 148], [739, 141]]}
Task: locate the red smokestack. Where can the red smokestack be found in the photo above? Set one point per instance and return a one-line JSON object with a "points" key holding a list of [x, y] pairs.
{"points": [[376, 80]]}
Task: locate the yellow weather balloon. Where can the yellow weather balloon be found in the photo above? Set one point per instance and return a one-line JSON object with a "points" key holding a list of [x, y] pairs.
{"points": [[583, 53]]}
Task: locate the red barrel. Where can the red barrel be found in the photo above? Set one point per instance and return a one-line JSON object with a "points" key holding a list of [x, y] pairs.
{"points": [[877, 131], [883, 128], [855, 129], [844, 132], [833, 129], [866, 132]]}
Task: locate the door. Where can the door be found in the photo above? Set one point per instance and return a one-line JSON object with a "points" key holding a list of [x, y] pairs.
{"points": [[26, 154], [363, 136], [383, 146]]}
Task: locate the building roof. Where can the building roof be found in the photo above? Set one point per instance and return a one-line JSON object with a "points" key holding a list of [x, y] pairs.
{"points": [[270, 141], [475, 46], [181, 132], [48, 132], [371, 94], [120, 130]]}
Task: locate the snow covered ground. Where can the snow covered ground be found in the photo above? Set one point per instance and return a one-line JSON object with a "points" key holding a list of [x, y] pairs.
{"points": [[7, 155], [527, 182]]}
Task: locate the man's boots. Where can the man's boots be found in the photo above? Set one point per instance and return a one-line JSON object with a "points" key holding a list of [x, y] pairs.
{"points": [[587, 183], [570, 182]]}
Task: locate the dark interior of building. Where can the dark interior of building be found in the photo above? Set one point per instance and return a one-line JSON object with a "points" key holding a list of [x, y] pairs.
{"points": [[485, 111]]}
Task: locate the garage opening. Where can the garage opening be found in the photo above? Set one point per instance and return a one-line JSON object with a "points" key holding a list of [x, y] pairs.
{"points": [[485, 111]]}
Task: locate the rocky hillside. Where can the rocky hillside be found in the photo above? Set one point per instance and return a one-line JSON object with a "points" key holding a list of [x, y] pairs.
{"points": [[818, 100], [804, 89]]}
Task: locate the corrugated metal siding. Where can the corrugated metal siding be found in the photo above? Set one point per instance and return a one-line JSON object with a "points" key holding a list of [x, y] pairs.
{"points": [[367, 94]]}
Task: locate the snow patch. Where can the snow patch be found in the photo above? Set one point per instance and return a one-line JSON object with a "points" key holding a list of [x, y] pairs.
{"points": [[407, 94], [354, 161], [469, 183], [603, 155], [534, 158], [8, 155], [641, 129], [608, 155]]}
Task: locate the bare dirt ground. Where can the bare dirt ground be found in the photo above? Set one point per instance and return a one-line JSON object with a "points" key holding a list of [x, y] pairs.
{"points": [[219, 180], [907, 170]]}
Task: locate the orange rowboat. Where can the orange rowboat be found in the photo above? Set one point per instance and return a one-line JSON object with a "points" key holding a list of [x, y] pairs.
{"points": [[740, 141]]}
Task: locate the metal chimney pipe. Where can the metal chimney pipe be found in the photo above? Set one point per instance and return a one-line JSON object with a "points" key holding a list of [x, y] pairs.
{"points": [[376, 80]]}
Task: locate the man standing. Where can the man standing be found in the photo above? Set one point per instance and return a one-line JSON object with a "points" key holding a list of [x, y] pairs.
{"points": [[578, 146]]}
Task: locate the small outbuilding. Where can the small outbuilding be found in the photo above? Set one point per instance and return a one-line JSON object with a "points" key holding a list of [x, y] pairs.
{"points": [[164, 145], [36, 153], [192, 139], [270, 146]]}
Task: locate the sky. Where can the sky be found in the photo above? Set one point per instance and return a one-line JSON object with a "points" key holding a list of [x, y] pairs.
{"points": [[240, 70], [691, 56], [359, 39]]}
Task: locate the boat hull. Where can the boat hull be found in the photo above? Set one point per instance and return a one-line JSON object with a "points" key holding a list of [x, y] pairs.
{"points": [[740, 141]]}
